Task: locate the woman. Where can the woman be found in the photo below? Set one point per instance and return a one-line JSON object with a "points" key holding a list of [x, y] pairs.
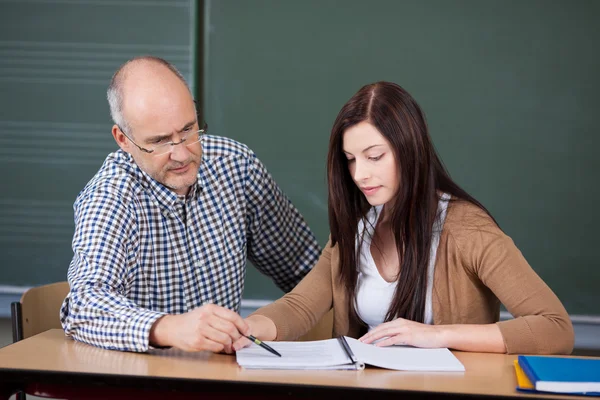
{"points": [[412, 258]]}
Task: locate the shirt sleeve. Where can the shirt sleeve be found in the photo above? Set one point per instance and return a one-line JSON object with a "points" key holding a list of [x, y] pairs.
{"points": [[541, 324], [97, 310], [298, 311], [280, 244]]}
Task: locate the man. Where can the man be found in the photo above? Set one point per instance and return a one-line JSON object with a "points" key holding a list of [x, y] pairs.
{"points": [[164, 228]]}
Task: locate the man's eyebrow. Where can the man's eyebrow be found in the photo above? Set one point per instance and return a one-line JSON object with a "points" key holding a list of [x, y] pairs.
{"points": [[162, 136], [187, 126], [158, 138]]}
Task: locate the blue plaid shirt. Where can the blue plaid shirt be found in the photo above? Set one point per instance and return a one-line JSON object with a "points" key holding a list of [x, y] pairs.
{"points": [[142, 251]]}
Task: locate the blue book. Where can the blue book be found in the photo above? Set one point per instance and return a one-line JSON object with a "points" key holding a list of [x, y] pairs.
{"points": [[563, 374]]}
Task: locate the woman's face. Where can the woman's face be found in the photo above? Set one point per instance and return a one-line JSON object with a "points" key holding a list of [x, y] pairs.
{"points": [[371, 163]]}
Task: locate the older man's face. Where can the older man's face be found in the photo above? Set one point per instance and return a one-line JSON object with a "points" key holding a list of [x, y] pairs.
{"points": [[161, 110]]}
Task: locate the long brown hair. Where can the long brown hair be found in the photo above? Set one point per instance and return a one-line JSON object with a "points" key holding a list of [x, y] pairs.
{"points": [[397, 116]]}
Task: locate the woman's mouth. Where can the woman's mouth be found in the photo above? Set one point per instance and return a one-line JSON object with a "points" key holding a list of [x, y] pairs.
{"points": [[370, 190]]}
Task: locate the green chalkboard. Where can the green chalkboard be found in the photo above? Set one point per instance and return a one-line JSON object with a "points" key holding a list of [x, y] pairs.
{"points": [[56, 60], [510, 89]]}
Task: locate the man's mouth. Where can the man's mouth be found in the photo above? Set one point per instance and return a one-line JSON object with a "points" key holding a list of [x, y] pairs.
{"points": [[181, 169]]}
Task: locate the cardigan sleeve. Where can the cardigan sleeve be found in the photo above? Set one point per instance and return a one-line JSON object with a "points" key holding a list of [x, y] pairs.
{"points": [[299, 310], [541, 324]]}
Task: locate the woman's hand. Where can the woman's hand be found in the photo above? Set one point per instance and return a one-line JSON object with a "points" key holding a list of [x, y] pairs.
{"points": [[405, 332], [466, 337]]}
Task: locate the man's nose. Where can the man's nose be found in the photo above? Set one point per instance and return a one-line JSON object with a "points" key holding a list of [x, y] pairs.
{"points": [[180, 152]]}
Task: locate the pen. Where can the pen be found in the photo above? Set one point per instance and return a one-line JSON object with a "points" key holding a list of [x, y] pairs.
{"points": [[347, 349], [263, 345]]}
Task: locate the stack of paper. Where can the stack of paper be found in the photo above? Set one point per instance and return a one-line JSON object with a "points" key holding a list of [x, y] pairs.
{"points": [[558, 375], [329, 354]]}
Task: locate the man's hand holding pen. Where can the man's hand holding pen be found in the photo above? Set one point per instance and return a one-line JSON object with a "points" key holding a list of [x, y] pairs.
{"points": [[209, 327], [261, 327], [213, 328]]}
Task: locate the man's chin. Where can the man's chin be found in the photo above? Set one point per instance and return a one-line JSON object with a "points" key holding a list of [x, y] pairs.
{"points": [[180, 186]]}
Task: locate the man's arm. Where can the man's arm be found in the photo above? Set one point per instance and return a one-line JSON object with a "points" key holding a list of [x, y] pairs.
{"points": [[97, 310], [280, 244]]}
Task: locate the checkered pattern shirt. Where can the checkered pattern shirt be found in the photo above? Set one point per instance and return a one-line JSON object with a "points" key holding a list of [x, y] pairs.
{"points": [[141, 251]]}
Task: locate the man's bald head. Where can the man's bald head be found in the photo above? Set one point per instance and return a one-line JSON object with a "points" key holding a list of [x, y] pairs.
{"points": [[137, 74]]}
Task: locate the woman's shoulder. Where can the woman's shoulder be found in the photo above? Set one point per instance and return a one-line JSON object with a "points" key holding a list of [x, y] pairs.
{"points": [[465, 219]]}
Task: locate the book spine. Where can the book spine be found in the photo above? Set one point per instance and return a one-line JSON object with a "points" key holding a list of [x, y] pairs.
{"points": [[528, 370]]}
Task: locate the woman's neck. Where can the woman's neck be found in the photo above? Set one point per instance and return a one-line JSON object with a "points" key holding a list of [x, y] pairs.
{"points": [[384, 216]]}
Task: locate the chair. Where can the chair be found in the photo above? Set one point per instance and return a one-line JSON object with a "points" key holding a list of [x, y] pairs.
{"points": [[322, 330], [38, 310]]}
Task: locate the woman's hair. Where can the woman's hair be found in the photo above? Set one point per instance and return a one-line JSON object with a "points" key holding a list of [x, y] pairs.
{"points": [[397, 116]]}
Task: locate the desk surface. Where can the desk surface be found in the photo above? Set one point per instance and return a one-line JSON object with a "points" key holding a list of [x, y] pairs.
{"points": [[50, 355]]}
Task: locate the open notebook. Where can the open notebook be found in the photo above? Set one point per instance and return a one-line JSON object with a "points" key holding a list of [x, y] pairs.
{"points": [[330, 354]]}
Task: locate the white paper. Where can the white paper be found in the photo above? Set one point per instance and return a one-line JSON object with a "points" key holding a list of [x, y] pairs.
{"points": [[405, 358], [568, 387], [329, 354], [320, 354]]}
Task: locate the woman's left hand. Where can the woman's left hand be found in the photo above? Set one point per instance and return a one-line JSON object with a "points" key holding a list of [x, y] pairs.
{"points": [[405, 332]]}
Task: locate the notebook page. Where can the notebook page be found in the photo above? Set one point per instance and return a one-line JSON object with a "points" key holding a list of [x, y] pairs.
{"points": [[295, 355], [405, 358]]}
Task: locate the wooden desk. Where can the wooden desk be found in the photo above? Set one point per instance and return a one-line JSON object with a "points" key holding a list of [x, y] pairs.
{"points": [[51, 358]]}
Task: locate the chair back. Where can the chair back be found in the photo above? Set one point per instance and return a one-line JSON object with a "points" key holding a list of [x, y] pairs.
{"points": [[39, 309]]}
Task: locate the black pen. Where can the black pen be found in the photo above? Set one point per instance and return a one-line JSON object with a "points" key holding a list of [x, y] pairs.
{"points": [[261, 344], [347, 349]]}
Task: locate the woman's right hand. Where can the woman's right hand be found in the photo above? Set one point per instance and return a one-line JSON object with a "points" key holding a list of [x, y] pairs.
{"points": [[261, 328]]}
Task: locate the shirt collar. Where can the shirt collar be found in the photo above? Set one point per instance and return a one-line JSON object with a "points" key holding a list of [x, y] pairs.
{"points": [[165, 197]]}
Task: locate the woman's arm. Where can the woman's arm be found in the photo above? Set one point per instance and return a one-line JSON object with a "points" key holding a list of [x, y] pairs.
{"points": [[540, 325], [466, 337], [299, 310]]}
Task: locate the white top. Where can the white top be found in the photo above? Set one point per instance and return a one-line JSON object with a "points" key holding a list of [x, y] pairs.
{"points": [[373, 294]]}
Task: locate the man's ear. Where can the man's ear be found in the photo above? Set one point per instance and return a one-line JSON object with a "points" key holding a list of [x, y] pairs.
{"points": [[121, 139]]}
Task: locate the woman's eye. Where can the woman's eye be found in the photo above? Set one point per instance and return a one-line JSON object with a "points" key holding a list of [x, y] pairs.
{"points": [[350, 160], [377, 158]]}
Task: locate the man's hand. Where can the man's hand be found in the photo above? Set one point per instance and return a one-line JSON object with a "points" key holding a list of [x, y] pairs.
{"points": [[209, 327], [261, 327]]}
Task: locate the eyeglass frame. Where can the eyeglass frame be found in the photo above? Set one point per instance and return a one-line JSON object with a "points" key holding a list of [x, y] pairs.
{"points": [[200, 132]]}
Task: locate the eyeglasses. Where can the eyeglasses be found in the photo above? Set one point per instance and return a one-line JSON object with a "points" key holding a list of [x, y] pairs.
{"points": [[160, 149]]}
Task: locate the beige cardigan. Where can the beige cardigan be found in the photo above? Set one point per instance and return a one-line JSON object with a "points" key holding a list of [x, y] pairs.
{"points": [[477, 267]]}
